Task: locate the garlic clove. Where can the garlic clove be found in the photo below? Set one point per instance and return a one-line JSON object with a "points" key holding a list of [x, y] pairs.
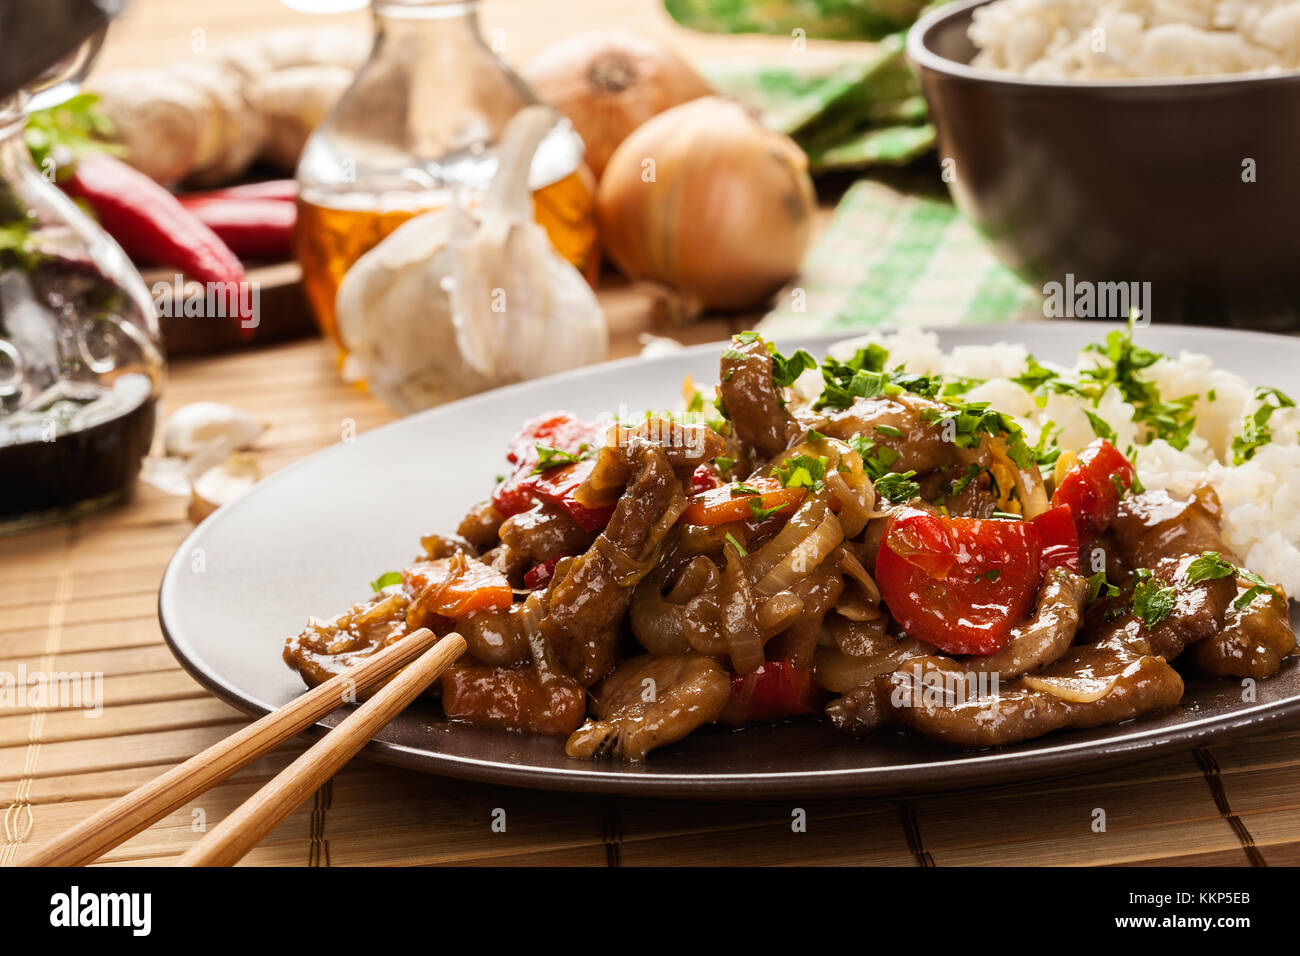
{"points": [[192, 427], [222, 484], [653, 346]]}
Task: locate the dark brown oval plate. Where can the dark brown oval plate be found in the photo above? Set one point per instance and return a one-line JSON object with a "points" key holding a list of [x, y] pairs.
{"points": [[305, 541]]}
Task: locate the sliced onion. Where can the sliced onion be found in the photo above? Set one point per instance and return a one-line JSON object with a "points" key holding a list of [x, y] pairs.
{"points": [[657, 619], [1029, 484], [778, 612], [801, 524], [804, 557], [739, 618], [857, 500], [840, 673], [1076, 690]]}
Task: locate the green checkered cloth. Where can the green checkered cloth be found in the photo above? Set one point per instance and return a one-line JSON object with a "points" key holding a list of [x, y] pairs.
{"points": [[865, 112], [892, 258]]}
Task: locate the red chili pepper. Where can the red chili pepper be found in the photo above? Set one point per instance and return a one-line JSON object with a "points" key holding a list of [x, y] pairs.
{"points": [[152, 226], [252, 228], [280, 190]]}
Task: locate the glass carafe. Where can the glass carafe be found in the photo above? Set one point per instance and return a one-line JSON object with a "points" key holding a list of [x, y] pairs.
{"points": [[417, 128], [80, 362]]}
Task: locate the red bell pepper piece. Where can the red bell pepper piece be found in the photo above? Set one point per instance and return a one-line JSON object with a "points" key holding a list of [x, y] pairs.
{"points": [[776, 690], [704, 478], [1058, 539], [539, 575], [960, 584], [556, 486], [1092, 488]]}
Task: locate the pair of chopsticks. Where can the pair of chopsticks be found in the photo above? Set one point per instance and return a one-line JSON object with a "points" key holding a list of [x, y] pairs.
{"points": [[238, 833]]}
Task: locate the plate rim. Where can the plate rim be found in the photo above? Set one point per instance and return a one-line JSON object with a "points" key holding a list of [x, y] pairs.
{"points": [[984, 768]]}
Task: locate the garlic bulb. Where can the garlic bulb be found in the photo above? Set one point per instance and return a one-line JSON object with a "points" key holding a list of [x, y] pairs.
{"points": [[455, 302]]}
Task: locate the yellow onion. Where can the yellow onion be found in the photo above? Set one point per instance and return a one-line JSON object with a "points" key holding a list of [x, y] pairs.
{"points": [[705, 199], [608, 83]]}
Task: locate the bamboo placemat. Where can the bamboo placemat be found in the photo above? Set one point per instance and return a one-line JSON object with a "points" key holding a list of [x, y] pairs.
{"points": [[82, 597]]}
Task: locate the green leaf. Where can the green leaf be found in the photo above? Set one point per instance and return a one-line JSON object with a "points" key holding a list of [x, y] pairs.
{"points": [[548, 458], [802, 471], [387, 579], [740, 549], [1152, 601], [897, 487], [1097, 585], [1208, 566]]}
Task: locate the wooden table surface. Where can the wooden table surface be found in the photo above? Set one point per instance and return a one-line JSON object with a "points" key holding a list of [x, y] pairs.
{"points": [[81, 597]]}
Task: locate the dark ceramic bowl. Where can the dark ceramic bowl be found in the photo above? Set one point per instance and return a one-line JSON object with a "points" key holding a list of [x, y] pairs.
{"points": [[1125, 181]]}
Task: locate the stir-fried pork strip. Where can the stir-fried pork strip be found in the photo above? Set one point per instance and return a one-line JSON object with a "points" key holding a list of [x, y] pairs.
{"points": [[538, 535], [1199, 609], [858, 712], [1045, 636], [1090, 686], [1157, 531], [481, 526], [1253, 642], [325, 648], [588, 600], [686, 446], [649, 702], [499, 638], [921, 445], [1155, 525], [749, 395], [513, 699]]}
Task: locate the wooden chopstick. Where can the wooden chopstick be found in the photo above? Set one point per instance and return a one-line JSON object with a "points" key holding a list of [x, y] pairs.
{"points": [[128, 815], [259, 814]]}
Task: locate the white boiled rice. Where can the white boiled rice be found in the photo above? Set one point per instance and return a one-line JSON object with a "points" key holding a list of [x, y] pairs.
{"points": [[1261, 497], [1122, 39]]}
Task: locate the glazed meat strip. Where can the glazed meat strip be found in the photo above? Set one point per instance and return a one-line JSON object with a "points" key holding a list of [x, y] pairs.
{"points": [[750, 398], [1253, 642], [649, 702], [513, 699], [1155, 525], [1090, 686], [536, 536], [686, 447], [1157, 531], [919, 444], [481, 525], [1035, 643], [589, 598], [325, 648], [1046, 636]]}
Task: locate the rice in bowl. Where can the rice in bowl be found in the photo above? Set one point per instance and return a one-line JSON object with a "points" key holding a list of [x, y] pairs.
{"points": [[1128, 39]]}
